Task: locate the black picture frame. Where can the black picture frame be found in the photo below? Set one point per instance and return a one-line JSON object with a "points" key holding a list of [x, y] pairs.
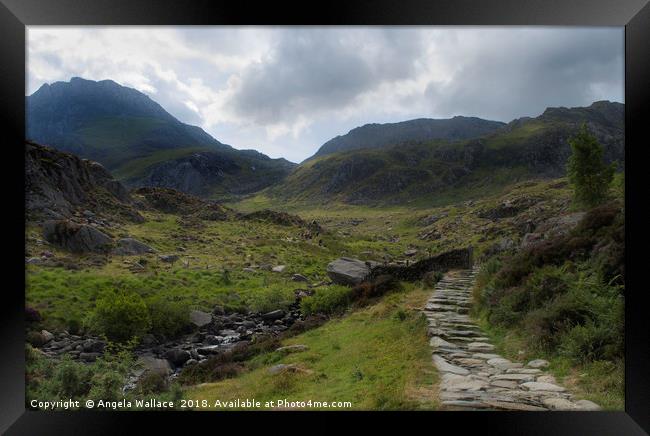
{"points": [[633, 14]]}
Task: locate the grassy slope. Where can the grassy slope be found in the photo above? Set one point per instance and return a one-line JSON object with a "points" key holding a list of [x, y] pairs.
{"points": [[373, 358]]}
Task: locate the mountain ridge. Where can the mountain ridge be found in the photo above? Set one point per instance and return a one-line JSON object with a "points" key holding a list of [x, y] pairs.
{"points": [[136, 139]]}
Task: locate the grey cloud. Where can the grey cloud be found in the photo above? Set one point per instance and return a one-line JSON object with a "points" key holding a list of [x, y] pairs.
{"points": [[523, 73], [311, 70]]}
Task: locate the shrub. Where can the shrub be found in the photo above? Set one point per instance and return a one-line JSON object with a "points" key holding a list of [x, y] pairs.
{"points": [[271, 299], [592, 341], [168, 318], [152, 383], [327, 300], [121, 316], [431, 278]]}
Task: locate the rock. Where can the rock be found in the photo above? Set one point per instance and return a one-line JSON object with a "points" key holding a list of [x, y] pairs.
{"points": [[293, 348], [508, 384], [437, 342], [503, 364], [456, 382], [47, 336], [199, 318], [485, 356], [154, 365], [519, 370], [177, 356], [444, 366], [274, 315], [538, 363], [546, 379], [89, 357], [299, 278], [219, 311], [249, 270], [537, 386], [168, 258], [587, 405], [130, 246], [34, 260], [514, 377], [410, 253], [77, 238], [93, 345], [280, 368], [148, 340], [555, 403], [480, 346], [279, 268], [212, 340], [346, 271]]}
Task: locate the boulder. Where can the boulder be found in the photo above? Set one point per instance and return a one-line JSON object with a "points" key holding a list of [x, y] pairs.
{"points": [[410, 253], [130, 247], [177, 357], [346, 271], [89, 357], [47, 336], [199, 318], [279, 268], [539, 386], [154, 365], [77, 238], [274, 315], [587, 405]]}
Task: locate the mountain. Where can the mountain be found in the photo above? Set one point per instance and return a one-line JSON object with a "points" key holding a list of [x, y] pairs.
{"points": [[406, 171], [423, 129], [141, 143]]}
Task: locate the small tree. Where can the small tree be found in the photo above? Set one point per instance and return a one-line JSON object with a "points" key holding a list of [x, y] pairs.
{"points": [[587, 171]]}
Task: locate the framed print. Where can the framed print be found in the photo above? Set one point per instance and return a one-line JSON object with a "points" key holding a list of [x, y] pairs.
{"points": [[430, 209]]}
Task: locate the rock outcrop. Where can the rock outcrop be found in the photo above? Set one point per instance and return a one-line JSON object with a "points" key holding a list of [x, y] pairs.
{"points": [[58, 185], [77, 238]]}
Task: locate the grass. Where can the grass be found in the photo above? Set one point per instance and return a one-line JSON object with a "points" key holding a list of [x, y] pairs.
{"points": [[377, 358]]}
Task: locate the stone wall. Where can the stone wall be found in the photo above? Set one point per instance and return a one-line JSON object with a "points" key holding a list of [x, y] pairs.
{"points": [[460, 258]]}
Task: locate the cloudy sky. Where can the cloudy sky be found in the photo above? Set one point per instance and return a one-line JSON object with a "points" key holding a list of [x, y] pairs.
{"points": [[287, 90]]}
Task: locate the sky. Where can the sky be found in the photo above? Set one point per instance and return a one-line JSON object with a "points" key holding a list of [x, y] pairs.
{"points": [[287, 90]]}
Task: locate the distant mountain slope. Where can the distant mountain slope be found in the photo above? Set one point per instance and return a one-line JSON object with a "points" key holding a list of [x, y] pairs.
{"points": [[140, 142], [423, 129], [408, 171]]}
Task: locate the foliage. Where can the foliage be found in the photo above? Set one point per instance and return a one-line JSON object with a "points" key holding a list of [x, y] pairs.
{"points": [[121, 316], [328, 300], [586, 170]]}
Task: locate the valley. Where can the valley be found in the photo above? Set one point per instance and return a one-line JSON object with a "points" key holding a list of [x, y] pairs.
{"points": [[163, 263]]}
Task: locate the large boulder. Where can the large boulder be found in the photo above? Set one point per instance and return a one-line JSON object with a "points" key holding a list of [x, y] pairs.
{"points": [[154, 365], [77, 238], [346, 271], [553, 227], [130, 246]]}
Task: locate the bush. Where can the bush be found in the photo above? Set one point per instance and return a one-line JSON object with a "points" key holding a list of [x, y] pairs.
{"points": [[271, 299], [431, 278], [168, 318], [121, 316], [327, 300]]}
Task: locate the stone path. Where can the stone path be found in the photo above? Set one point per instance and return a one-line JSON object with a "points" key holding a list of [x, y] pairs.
{"points": [[472, 375]]}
